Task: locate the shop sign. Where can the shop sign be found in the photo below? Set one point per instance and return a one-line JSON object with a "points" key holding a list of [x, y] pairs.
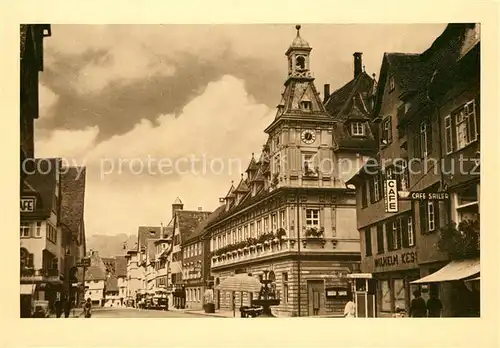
{"points": [[424, 196], [396, 259], [28, 204], [391, 199], [337, 292]]}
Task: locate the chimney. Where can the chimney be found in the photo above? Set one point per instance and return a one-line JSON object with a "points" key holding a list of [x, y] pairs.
{"points": [[326, 92], [200, 208], [358, 64]]}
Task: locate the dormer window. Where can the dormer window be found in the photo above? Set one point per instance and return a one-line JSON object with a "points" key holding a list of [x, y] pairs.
{"points": [[392, 84], [306, 105], [357, 129]]}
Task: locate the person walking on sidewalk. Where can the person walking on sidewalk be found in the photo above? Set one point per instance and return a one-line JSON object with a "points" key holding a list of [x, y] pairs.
{"points": [[350, 308], [418, 308], [87, 309]]}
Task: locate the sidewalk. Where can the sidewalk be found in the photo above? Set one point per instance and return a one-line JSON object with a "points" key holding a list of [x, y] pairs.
{"points": [[219, 314]]}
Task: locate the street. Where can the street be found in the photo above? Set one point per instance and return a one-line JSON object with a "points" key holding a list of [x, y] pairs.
{"points": [[115, 312]]}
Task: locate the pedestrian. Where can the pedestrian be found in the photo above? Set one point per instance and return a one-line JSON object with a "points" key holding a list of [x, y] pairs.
{"points": [[434, 306], [59, 308], [67, 307], [418, 309], [87, 309], [39, 312], [350, 308]]}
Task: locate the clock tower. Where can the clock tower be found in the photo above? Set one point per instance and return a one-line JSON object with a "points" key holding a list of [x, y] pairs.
{"points": [[300, 137]]}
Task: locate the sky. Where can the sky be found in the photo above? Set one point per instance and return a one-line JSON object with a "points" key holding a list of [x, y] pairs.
{"points": [[140, 105]]}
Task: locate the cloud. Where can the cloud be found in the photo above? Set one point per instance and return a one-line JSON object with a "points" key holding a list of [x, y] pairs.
{"points": [[224, 122], [47, 100]]}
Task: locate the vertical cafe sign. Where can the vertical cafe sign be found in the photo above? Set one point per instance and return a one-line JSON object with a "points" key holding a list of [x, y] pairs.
{"points": [[391, 197], [28, 204]]}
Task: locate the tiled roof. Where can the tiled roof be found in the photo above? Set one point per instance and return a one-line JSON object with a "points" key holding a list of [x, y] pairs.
{"points": [[147, 232], [252, 166], [73, 198], [44, 182], [112, 284], [97, 269], [121, 266], [110, 263], [201, 227], [151, 249], [188, 221], [242, 186]]}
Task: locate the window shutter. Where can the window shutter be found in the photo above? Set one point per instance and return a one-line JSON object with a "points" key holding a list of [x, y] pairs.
{"points": [[404, 232], [437, 207], [428, 131], [389, 236], [389, 131], [448, 134], [423, 216], [417, 151], [372, 190]]}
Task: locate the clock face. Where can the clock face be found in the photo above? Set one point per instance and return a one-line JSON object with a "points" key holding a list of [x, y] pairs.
{"points": [[308, 136]]}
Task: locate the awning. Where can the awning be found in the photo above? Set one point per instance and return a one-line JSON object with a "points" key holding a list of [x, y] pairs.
{"points": [[455, 270], [474, 279], [27, 289]]}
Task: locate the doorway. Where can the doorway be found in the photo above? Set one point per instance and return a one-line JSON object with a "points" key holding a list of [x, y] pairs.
{"points": [[315, 297]]}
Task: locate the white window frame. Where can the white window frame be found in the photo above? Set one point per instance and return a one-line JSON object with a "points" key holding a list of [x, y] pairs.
{"points": [[274, 221], [357, 129], [396, 224], [25, 230], [38, 229], [431, 223], [266, 224], [283, 218], [285, 286], [462, 121], [411, 235], [312, 218], [386, 130], [376, 188], [423, 139]]}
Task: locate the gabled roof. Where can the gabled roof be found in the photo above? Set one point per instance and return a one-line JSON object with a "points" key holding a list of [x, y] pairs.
{"points": [[230, 192], [97, 269], [112, 284], [43, 181], [188, 221], [147, 232], [200, 229], [252, 166], [110, 263], [121, 266], [242, 187], [73, 198]]}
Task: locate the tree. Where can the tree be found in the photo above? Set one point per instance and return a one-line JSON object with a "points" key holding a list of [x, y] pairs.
{"points": [[460, 241]]}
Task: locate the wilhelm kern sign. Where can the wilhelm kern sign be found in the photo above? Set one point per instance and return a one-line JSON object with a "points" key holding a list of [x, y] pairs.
{"points": [[391, 200]]}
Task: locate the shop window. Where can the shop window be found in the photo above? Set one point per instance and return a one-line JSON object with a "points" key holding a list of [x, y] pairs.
{"points": [[368, 242], [385, 305], [467, 203], [399, 294]]}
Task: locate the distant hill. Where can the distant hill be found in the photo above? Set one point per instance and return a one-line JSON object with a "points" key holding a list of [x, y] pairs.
{"points": [[110, 246]]}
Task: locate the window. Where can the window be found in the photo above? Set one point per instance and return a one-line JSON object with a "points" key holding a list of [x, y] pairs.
{"points": [[375, 183], [300, 62], [386, 133], [38, 229], [392, 83], [368, 242], [240, 237], [266, 224], [51, 233], [252, 230], [423, 142], [245, 232], [429, 216], [306, 105], [25, 229], [259, 227], [465, 124], [312, 217], [448, 135], [380, 239], [386, 296], [402, 174], [364, 197], [284, 277], [278, 164], [282, 219], [357, 129], [396, 230], [274, 222]]}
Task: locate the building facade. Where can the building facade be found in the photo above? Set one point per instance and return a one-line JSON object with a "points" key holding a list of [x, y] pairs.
{"points": [[95, 280], [31, 56], [292, 214], [423, 124]]}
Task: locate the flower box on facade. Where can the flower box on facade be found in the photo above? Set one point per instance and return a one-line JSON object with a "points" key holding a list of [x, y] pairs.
{"points": [[334, 242]]}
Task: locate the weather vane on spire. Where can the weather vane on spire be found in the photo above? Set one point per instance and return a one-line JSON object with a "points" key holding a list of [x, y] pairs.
{"points": [[298, 29]]}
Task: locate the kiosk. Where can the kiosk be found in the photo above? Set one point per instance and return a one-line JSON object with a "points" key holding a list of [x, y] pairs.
{"points": [[363, 290]]}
